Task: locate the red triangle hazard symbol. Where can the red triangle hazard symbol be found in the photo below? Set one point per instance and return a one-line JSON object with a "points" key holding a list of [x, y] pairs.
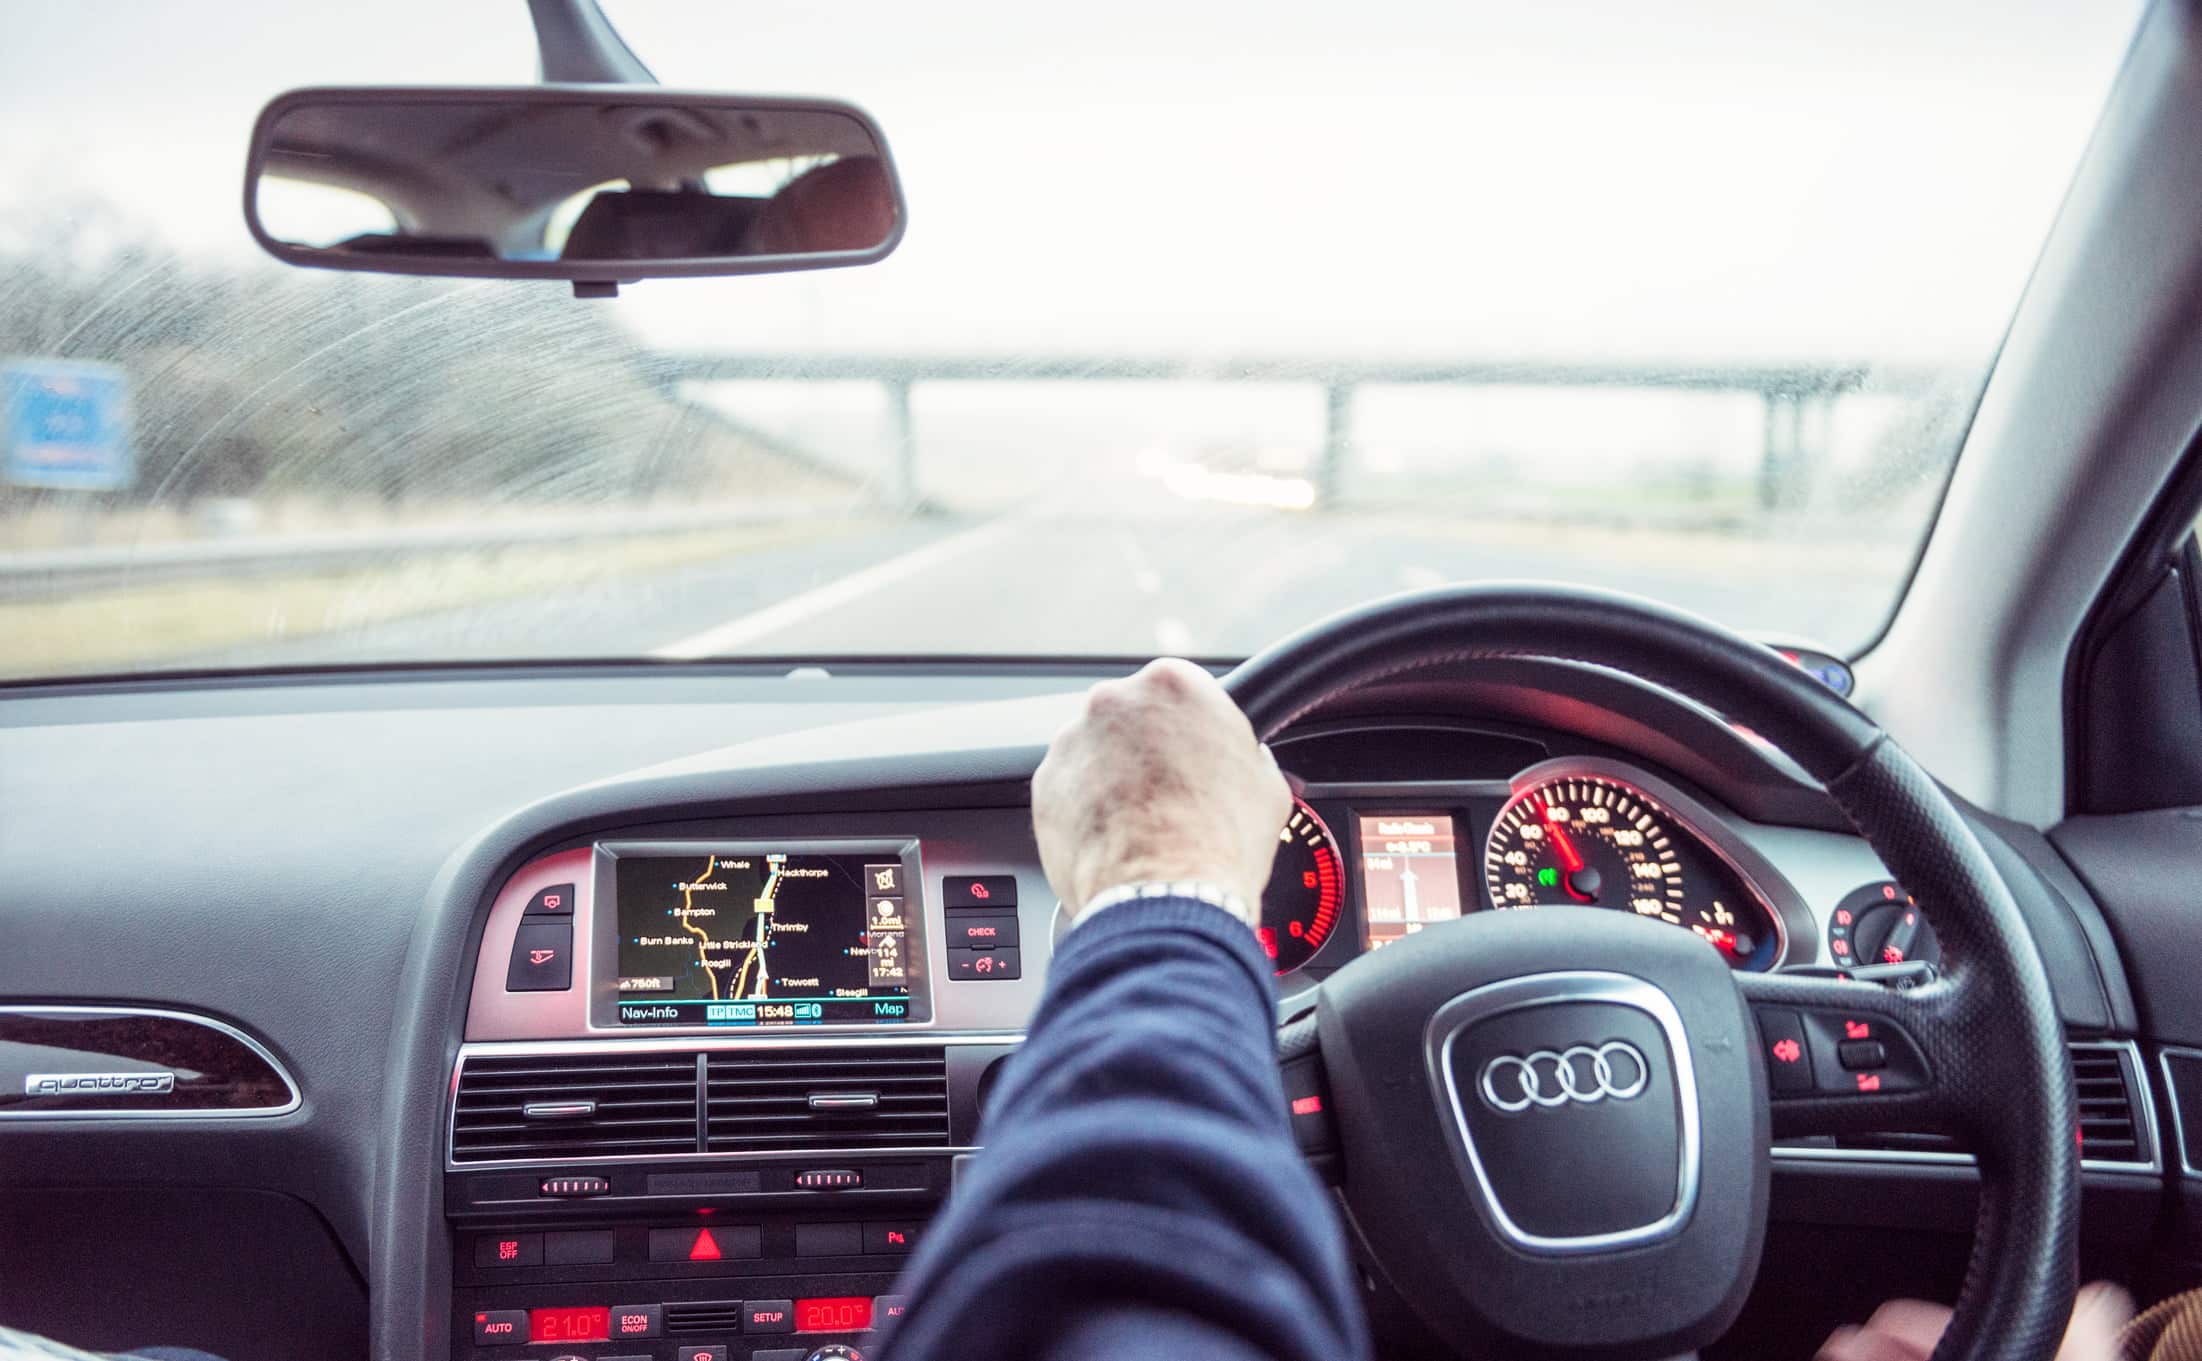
{"points": [[705, 1248]]}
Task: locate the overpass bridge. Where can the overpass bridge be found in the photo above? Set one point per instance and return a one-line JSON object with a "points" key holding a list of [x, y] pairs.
{"points": [[1798, 399]]}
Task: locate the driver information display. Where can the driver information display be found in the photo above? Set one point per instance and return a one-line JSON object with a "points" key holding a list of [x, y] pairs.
{"points": [[1410, 873], [761, 938]]}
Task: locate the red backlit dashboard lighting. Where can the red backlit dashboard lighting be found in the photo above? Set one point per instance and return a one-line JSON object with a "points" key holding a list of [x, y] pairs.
{"points": [[834, 1314], [584, 1323]]}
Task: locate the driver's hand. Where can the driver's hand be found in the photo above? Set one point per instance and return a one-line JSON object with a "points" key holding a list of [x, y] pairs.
{"points": [[1159, 778], [1906, 1330]]}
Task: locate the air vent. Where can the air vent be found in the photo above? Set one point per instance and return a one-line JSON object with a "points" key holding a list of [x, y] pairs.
{"points": [[575, 1106], [2110, 1128], [2113, 1123], [703, 1316], [797, 1100]]}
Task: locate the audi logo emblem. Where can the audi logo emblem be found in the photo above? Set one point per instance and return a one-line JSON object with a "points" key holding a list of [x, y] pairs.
{"points": [[1583, 1073]]}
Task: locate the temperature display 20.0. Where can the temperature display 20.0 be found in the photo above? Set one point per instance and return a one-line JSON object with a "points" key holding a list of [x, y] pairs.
{"points": [[834, 1314]]}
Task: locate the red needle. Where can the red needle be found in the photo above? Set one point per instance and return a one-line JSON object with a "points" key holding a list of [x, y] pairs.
{"points": [[1571, 860]]}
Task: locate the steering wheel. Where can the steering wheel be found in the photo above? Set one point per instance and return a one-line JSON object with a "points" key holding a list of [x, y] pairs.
{"points": [[1553, 1124]]}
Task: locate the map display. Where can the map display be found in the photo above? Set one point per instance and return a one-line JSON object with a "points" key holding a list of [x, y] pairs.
{"points": [[761, 938]]}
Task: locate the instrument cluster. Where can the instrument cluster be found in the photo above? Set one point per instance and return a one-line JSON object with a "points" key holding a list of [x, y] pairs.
{"points": [[1354, 873]]}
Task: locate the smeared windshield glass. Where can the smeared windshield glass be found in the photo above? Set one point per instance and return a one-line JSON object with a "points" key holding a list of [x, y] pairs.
{"points": [[1208, 322]]}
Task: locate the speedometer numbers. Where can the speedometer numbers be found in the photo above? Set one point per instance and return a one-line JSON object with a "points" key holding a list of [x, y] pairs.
{"points": [[1306, 893], [1590, 841]]}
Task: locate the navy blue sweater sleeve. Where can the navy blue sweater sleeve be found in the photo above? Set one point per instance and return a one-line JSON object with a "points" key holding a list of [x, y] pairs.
{"points": [[1140, 1194]]}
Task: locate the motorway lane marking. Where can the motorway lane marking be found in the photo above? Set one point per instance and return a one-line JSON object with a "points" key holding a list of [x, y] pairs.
{"points": [[729, 637]]}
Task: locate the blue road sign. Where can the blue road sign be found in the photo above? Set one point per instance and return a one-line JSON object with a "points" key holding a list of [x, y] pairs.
{"points": [[65, 423]]}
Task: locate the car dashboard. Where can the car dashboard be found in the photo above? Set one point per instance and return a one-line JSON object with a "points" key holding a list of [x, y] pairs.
{"points": [[679, 1061]]}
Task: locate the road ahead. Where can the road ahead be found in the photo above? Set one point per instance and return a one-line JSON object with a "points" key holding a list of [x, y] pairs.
{"points": [[1200, 580]]}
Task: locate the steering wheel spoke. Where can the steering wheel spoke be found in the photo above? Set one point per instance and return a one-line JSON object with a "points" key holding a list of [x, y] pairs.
{"points": [[1856, 1058]]}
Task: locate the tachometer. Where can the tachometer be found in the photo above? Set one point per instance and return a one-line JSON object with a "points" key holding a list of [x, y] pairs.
{"points": [[1591, 841], [1306, 892]]}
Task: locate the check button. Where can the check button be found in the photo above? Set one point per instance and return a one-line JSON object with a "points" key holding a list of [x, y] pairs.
{"points": [[981, 930]]}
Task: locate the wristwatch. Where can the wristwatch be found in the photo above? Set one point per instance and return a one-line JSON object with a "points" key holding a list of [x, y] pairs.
{"points": [[1212, 894]]}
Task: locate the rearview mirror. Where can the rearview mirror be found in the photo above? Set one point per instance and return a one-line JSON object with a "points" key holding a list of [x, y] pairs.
{"points": [[600, 184]]}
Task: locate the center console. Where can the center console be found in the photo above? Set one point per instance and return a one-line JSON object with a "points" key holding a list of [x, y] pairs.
{"points": [[713, 1089]]}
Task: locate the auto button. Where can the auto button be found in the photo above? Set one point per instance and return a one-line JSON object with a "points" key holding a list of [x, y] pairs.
{"points": [[494, 1326]]}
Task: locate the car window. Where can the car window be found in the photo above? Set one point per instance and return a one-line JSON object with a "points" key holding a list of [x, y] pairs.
{"points": [[1208, 321]]}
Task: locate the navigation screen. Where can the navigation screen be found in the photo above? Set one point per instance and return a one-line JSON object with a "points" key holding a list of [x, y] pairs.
{"points": [[761, 938], [1410, 875]]}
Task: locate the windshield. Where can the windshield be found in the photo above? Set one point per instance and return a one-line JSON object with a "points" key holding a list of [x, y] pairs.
{"points": [[1209, 321]]}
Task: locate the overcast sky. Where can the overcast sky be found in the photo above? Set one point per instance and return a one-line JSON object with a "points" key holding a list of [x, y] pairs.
{"points": [[1717, 178]]}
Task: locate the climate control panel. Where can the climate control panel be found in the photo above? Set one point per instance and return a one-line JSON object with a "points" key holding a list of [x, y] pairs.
{"points": [[712, 1287]]}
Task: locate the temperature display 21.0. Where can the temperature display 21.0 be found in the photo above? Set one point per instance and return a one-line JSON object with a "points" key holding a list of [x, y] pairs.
{"points": [[584, 1323]]}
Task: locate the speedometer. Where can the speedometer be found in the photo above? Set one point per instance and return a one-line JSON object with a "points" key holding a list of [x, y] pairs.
{"points": [[1593, 841]]}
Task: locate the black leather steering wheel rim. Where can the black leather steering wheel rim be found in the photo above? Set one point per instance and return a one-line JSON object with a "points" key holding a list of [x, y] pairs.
{"points": [[1989, 1027]]}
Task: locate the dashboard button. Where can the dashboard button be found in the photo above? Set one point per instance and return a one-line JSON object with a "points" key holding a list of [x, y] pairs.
{"points": [[828, 1240], [710, 1243], [1870, 1054], [715, 1352], [883, 879], [888, 1308], [769, 1316], [492, 1326], [1788, 1054], [637, 1320], [1308, 1098], [509, 1249], [555, 901], [887, 915], [982, 965], [781, 1354], [577, 1246], [982, 930], [979, 890], [1857, 1054], [542, 957], [892, 1236]]}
